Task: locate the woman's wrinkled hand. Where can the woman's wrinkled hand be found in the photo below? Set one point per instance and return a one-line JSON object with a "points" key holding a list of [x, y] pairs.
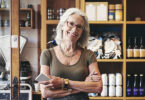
{"points": [[94, 77]]}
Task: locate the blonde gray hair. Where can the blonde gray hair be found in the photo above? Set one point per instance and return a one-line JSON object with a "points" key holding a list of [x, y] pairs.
{"points": [[83, 40]]}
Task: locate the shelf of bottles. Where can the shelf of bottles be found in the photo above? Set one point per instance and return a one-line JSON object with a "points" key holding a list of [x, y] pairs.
{"points": [[136, 43], [26, 16]]}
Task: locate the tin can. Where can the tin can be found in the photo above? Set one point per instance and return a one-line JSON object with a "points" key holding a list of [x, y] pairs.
{"points": [[112, 91], [112, 79], [104, 79], [118, 91], [104, 91], [118, 79]]}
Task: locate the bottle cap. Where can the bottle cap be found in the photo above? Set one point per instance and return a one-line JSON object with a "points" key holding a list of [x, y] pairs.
{"points": [[128, 75], [140, 74]]}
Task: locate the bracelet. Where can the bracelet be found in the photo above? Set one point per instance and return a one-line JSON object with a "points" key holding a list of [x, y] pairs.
{"points": [[66, 81]]}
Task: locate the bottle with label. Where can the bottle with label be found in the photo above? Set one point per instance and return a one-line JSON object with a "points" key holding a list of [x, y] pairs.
{"points": [[136, 49], [111, 13], [141, 85], [118, 12], [129, 49], [128, 86], [142, 49], [135, 85]]}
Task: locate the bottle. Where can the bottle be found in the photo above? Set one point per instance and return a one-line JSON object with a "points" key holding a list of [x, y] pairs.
{"points": [[142, 49], [111, 13], [118, 12], [28, 19], [136, 49], [141, 85], [128, 86], [129, 49], [135, 85], [2, 4]]}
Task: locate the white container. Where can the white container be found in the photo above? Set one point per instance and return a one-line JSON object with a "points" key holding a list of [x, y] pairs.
{"points": [[112, 80], [118, 79], [104, 91], [104, 79], [118, 91], [112, 91], [36, 85]]}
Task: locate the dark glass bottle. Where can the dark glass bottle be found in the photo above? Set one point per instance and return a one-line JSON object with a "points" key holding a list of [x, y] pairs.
{"points": [[142, 49], [128, 86], [129, 49], [136, 49], [141, 85], [135, 85]]}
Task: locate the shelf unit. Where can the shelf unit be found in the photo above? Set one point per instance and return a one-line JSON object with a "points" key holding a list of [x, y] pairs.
{"points": [[130, 11], [23, 11]]}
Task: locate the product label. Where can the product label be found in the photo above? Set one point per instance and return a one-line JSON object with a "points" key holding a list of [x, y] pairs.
{"points": [[128, 92], [111, 16], [141, 91], [129, 52], [136, 53], [142, 52], [118, 15], [135, 90]]}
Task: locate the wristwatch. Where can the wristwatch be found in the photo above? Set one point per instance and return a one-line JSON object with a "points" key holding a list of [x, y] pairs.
{"points": [[66, 84]]}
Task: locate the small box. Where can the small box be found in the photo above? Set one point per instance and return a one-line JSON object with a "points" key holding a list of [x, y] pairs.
{"points": [[97, 11]]}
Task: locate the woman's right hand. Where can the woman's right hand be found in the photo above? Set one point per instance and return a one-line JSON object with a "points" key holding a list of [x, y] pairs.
{"points": [[53, 83]]}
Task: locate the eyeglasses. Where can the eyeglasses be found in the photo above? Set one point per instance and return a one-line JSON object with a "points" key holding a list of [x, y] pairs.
{"points": [[72, 25]]}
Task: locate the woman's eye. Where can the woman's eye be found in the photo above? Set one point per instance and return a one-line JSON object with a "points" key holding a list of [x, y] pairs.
{"points": [[71, 23]]}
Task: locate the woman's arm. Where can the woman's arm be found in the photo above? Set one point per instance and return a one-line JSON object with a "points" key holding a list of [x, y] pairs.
{"points": [[91, 84], [45, 85]]}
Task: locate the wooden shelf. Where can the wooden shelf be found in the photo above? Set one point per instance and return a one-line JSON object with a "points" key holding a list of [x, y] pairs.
{"points": [[36, 92], [109, 60], [52, 21], [135, 22], [108, 98], [135, 98], [135, 60], [106, 22]]}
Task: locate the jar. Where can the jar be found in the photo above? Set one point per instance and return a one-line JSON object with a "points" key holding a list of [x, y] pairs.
{"points": [[112, 79], [111, 13], [118, 91], [104, 79], [118, 79], [112, 91], [118, 12]]}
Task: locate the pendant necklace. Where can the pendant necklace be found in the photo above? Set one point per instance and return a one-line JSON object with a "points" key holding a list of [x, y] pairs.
{"points": [[65, 54]]}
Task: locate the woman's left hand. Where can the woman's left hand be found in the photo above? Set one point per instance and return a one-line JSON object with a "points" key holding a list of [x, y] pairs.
{"points": [[93, 77]]}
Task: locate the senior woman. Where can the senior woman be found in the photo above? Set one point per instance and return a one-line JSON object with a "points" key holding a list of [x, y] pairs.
{"points": [[72, 69]]}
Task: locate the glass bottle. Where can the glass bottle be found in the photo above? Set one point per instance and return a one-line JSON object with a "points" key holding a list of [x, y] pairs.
{"points": [[128, 86], [141, 85], [142, 49], [135, 85], [136, 49], [2, 4], [28, 19], [129, 49]]}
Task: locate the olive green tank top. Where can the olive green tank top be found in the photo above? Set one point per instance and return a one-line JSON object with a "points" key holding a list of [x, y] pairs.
{"points": [[77, 72]]}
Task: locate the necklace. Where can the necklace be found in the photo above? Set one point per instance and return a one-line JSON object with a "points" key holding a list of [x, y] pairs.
{"points": [[65, 54]]}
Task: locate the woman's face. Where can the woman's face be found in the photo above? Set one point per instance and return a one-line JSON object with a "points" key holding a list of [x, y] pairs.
{"points": [[73, 27]]}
